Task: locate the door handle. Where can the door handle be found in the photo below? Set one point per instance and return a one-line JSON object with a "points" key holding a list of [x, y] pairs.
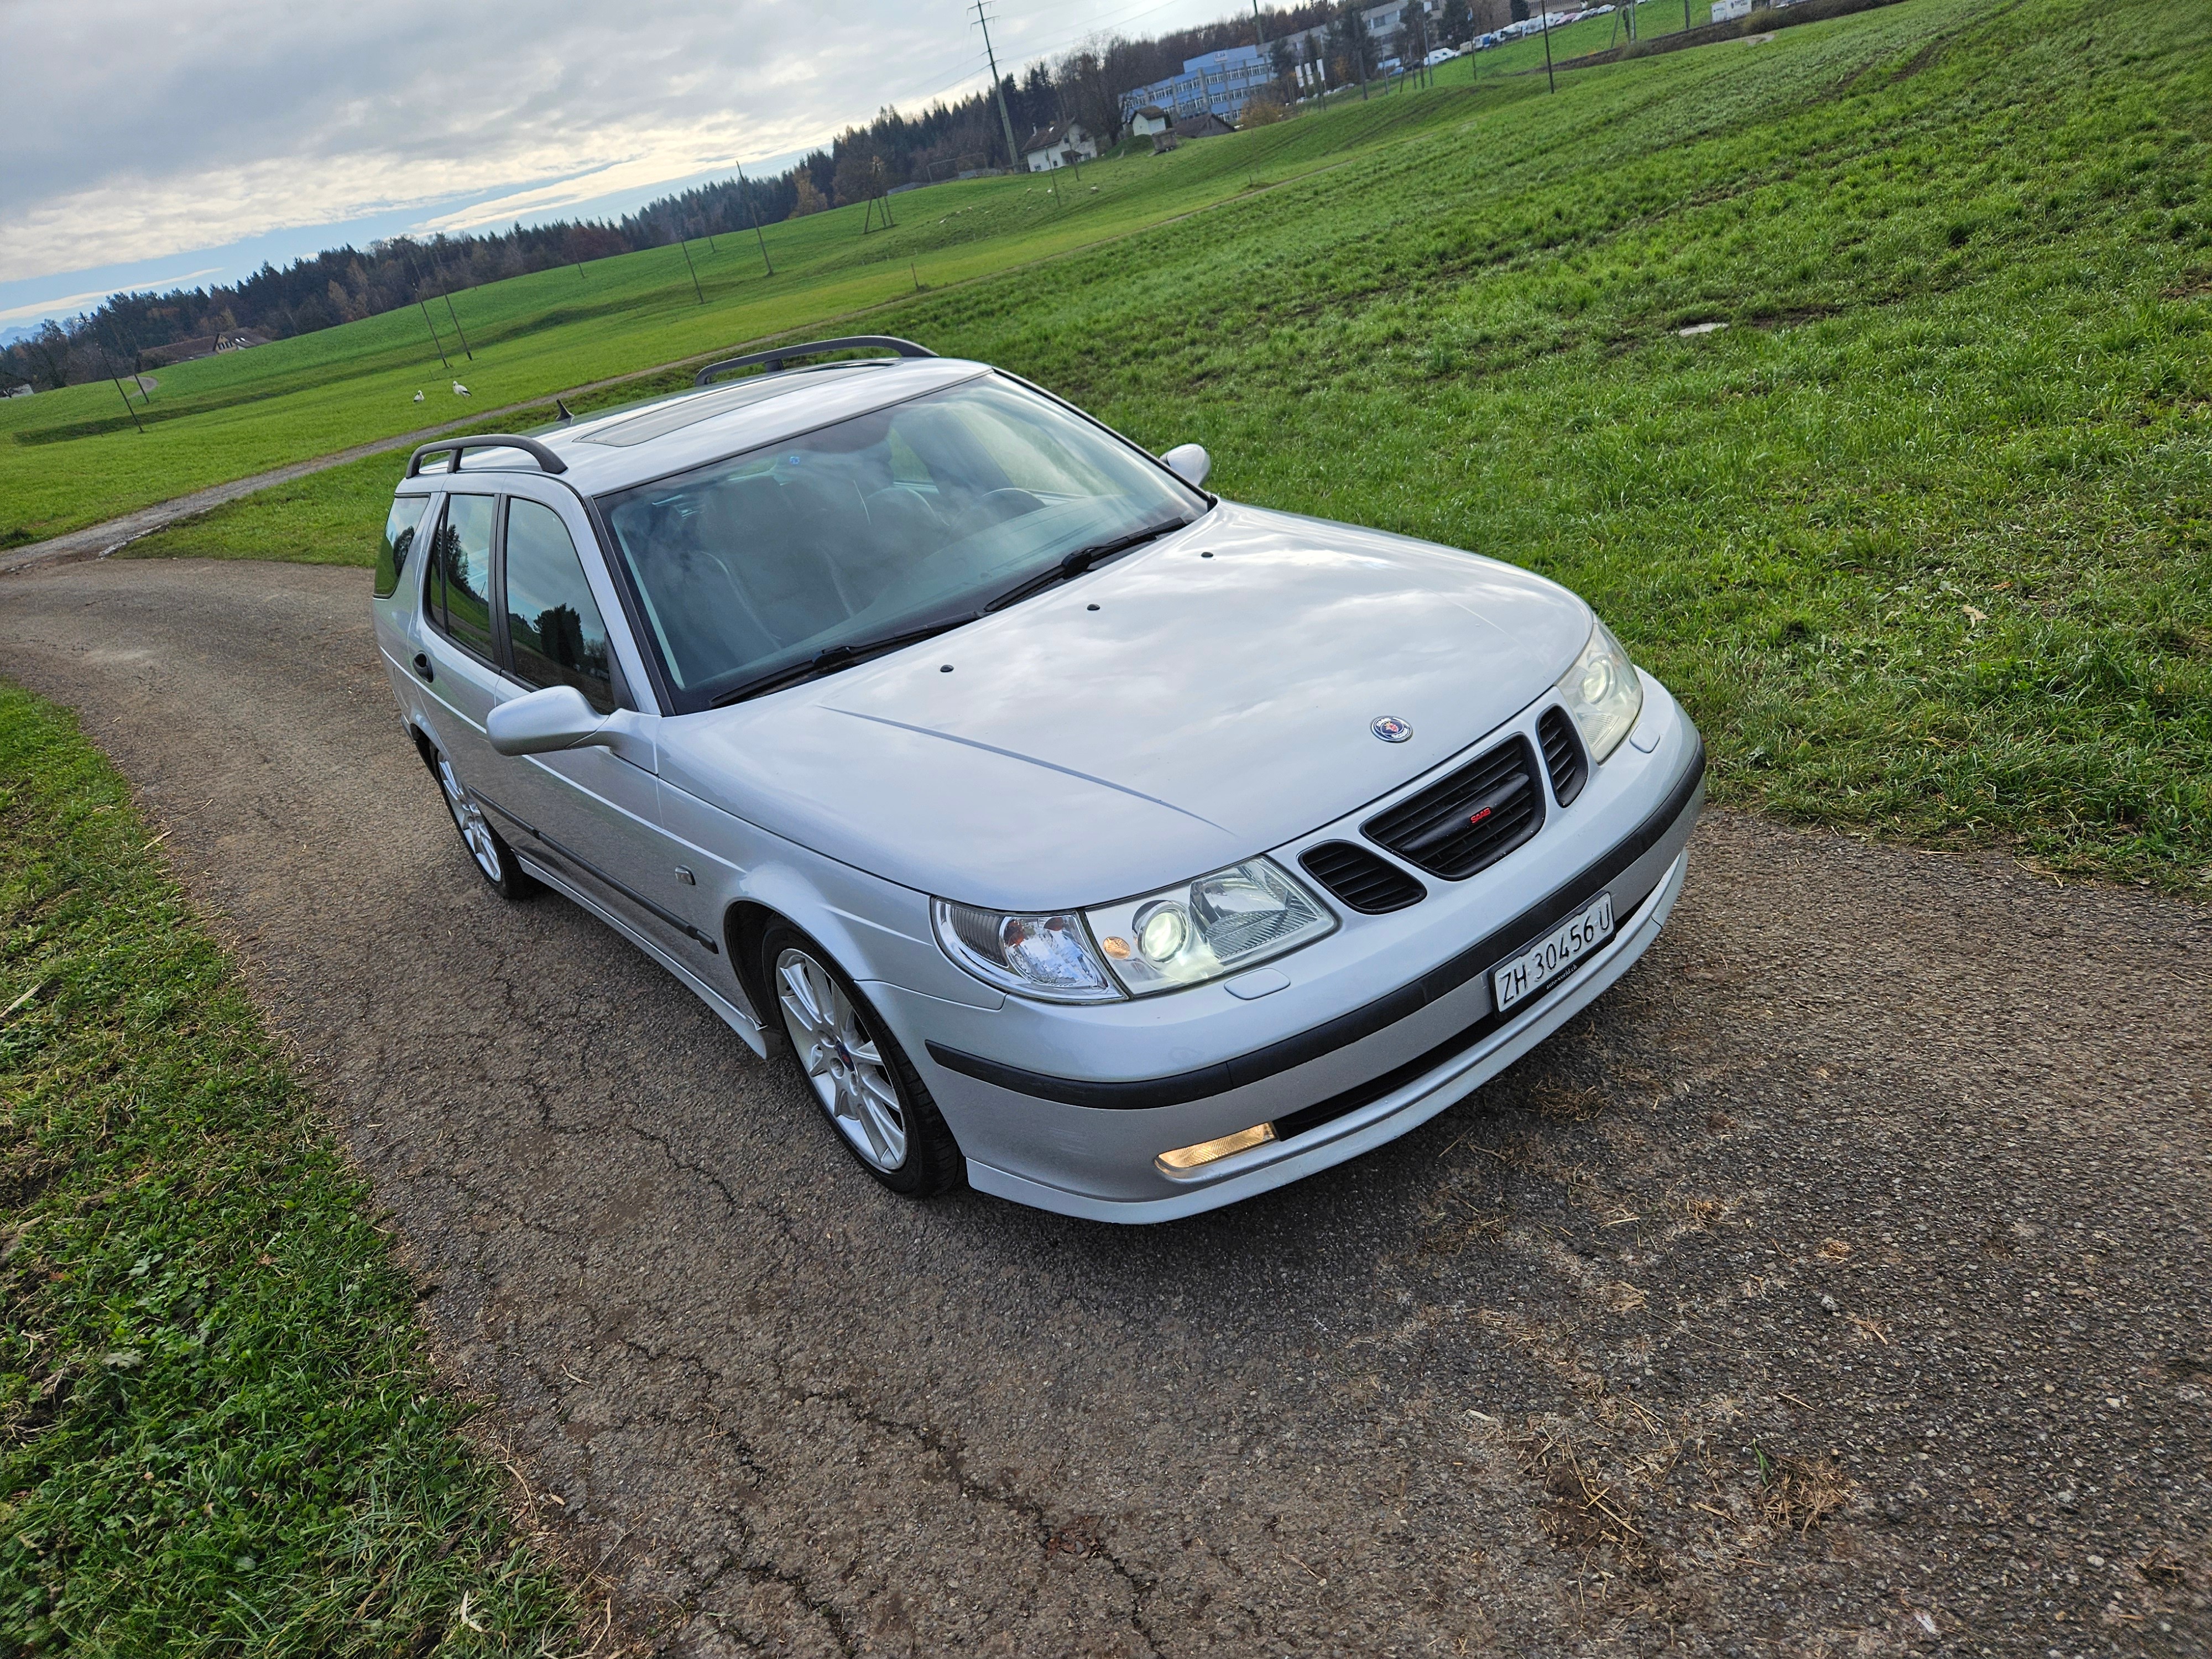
{"points": [[423, 666]]}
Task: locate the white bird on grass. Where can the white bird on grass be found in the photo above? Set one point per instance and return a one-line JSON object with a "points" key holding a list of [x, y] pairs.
{"points": [[418, 397], [459, 391]]}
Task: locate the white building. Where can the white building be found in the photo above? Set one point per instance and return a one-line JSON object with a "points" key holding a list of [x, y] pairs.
{"points": [[1149, 120], [1058, 147]]}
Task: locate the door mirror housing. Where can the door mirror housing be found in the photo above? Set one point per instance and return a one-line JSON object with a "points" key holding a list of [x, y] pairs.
{"points": [[542, 722], [558, 718], [1190, 462]]}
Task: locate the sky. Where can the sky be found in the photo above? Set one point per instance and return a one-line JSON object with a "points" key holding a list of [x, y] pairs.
{"points": [[154, 145]]}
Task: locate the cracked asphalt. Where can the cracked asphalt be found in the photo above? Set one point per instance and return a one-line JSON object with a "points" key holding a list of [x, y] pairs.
{"points": [[1838, 1285]]}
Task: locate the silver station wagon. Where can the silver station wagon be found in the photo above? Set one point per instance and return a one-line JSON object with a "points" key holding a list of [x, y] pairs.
{"points": [[1084, 837]]}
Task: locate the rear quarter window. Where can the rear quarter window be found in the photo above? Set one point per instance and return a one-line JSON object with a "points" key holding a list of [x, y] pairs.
{"points": [[399, 528]]}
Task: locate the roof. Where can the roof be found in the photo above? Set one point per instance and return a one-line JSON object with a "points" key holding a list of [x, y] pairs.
{"points": [[1151, 113], [668, 435], [1205, 125], [1045, 137]]}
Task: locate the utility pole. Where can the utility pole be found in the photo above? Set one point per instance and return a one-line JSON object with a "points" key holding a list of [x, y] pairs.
{"points": [[1013, 155], [754, 211], [108, 363], [685, 243], [437, 344], [1550, 79], [450, 313]]}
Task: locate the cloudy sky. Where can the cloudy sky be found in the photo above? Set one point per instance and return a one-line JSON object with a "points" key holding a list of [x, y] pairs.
{"points": [[150, 144]]}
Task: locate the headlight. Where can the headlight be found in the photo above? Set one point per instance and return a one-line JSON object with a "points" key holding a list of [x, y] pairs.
{"points": [[1047, 957], [1602, 692], [1202, 929]]}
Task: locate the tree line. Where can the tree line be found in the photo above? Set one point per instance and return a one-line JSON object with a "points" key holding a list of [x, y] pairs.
{"points": [[342, 284]]}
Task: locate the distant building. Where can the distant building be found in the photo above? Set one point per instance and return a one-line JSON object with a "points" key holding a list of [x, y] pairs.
{"points": [[1150, 119], [1727, 11], [1205, 124], [203, 345], [1217, 82], [1058, 147]]}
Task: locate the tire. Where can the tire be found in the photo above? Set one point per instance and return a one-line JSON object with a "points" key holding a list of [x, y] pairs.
{"points": [[487, 848], [856, 1070]]}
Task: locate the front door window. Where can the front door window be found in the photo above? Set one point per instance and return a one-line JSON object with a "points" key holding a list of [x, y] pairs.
{"points": [[553, 624]]}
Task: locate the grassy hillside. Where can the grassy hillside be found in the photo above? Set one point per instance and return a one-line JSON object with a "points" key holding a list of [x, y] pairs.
{"points": [[219, 1430], [73, 458], [1923, 535]]}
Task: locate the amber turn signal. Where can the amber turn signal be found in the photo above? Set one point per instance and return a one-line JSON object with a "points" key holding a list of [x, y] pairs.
{"points": [[1183, 1159]]}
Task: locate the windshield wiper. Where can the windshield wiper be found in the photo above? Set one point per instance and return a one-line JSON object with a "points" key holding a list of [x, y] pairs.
{"points": [[1072, 565], [830, 659]]}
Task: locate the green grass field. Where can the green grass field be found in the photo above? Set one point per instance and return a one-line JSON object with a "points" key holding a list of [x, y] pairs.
{"points": [[219, 1433], [74, 458], [1922, 536]]}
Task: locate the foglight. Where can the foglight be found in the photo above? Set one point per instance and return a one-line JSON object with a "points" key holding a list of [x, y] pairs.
{"points": [[1183, 1159]]}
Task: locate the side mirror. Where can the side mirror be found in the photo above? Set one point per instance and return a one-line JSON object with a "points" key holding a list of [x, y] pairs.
{"points": [[1189, 462], [555, 717]]}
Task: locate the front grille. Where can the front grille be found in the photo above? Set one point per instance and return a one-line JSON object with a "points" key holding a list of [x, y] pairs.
{"points": [[1469, 820], [1368, 883], [1563, 754]]}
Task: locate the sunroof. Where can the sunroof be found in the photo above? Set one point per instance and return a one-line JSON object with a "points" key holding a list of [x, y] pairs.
{"points": [[680, 412]]}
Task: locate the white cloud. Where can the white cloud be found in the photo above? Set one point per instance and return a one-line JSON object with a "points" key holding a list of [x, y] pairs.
{"points": [[139, 130], [68, 304]]}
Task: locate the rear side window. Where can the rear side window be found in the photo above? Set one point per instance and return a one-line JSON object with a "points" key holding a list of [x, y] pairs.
{"points": [[553, 624], [399, 528], [457, 588]]}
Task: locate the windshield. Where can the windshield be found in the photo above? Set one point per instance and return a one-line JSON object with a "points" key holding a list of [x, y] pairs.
{"points": [[879, 526]]}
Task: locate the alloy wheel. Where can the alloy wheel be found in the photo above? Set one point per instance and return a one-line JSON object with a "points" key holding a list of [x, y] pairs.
{"points": [[469, 819], [840, 1060]]}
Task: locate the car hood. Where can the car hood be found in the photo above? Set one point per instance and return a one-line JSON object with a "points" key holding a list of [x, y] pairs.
{"points": [[1156, 719]]}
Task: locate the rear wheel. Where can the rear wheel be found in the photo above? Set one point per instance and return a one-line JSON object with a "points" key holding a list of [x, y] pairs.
{"points": [[858, 1075], [494, 859]]}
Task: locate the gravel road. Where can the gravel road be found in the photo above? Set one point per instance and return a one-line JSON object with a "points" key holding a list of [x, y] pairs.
{"points": [[1838, 1286]]}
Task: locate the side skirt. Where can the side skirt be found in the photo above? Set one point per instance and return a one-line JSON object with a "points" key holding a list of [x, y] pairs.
{"points": [[732, 1015]]}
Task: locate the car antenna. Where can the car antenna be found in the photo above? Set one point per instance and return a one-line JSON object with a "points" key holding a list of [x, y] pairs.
{"points": [[567, 413]]}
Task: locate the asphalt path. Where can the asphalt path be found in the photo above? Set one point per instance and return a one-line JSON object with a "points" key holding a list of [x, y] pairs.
{"points": [[1836, 1285]]}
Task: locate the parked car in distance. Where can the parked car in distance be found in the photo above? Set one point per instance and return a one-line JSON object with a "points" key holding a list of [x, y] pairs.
{"points": [[1083, 837], [1440, 54]]}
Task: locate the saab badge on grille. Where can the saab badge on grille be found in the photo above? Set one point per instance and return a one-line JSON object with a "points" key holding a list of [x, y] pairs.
{"points": [[1391, 729]]}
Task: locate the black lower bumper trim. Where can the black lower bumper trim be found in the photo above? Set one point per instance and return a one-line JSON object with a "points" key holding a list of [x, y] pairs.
{"points": [[1539, 919]]}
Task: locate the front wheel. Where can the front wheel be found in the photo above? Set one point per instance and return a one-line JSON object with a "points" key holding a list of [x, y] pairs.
{"points": [[494, 859], [858, 1075]]}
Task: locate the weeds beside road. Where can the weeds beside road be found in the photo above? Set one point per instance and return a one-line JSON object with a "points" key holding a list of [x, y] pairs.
{"points": [[219, 1432]]}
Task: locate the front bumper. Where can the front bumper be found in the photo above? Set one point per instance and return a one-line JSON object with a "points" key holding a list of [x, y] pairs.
{"points": [[1067, 1109]]}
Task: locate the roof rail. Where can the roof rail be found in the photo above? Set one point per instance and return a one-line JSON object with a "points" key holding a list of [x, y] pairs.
{"points": [[546, 460], [776, 359]]}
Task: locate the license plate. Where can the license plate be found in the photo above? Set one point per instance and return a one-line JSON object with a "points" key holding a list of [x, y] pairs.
{"points": [[1553, 956]]}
